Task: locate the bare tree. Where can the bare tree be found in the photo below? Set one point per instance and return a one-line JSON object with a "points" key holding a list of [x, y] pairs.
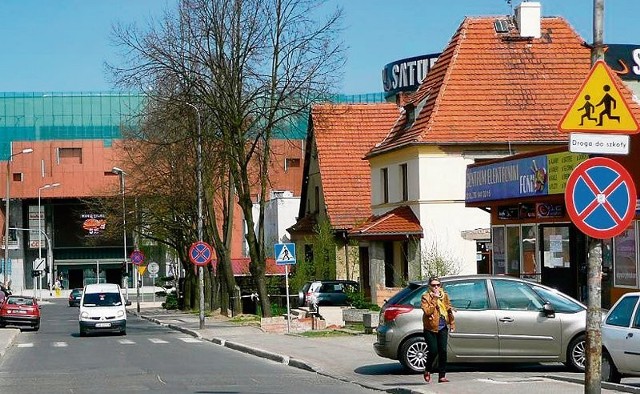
{"points": [[252, 67]]}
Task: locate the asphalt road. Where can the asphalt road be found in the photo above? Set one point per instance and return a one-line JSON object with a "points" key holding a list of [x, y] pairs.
{"points": [[150, 358]]}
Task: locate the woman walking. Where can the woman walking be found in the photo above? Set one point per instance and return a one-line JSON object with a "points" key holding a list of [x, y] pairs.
{"points": [[437, 320]]}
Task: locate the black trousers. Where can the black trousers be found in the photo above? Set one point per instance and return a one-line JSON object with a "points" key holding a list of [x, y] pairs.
{"points": [[437, 347]]}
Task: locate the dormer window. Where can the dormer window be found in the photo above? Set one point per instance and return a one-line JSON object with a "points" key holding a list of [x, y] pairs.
{"points": [[410, 111]]}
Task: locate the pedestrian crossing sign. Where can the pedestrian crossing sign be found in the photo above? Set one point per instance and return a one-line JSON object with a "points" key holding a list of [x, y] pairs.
{"points": [[285, 253], [599, 106]]}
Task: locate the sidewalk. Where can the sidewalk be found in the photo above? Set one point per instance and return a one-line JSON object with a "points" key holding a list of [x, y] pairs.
{"points": [[351, 358]]}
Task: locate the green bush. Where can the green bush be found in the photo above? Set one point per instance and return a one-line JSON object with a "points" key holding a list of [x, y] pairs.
{"points": [[357, 300], [171, 302]]}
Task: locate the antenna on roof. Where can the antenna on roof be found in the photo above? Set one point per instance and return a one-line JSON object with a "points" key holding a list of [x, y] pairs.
{"points": [[510, 6]]}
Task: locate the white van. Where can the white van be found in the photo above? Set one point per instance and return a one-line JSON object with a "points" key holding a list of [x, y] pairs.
{"points": [[103, 308]]}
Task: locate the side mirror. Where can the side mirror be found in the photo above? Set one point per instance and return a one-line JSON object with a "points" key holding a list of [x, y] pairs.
{"points": [[128, 303], [548, 310]]}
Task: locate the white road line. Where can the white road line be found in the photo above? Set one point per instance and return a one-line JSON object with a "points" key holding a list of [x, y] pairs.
{"points": [[157, 340], [126, 342], [25, 345], [59, 344], [190, 340]]}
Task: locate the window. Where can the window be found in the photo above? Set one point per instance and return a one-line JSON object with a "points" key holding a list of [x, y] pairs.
{"points": [[512, 295], [70, 155], [560, 303], [404, 178], [498, 250], [290, 162], [625, 272], [468, 295], [17, 176], [384, 174], [513, 250], [620, 316]]}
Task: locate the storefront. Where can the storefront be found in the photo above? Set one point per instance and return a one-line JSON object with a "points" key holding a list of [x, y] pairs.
{"points": [[532, 234]]}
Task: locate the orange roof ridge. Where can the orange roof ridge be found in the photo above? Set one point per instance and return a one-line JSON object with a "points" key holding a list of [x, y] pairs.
{"points": [[489, 87]]}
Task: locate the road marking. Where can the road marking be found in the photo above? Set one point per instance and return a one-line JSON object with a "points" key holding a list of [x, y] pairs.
{"points": [[59, 344], [189, 340], [126, 342], [25, 345], [157, 340]]}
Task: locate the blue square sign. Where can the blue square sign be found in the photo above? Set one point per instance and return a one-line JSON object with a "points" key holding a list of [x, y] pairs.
{"points": [[285, 253]]}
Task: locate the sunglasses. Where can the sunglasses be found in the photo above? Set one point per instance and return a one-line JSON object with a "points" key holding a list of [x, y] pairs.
{"points": [[435, 285]]}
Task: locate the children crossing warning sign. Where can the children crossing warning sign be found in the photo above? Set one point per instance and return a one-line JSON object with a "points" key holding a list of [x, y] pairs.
{"points": [[599, 106]]}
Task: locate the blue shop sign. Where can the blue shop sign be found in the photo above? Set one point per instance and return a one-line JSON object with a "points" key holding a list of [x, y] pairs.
{"points": [[510, 179], [624, 60]]}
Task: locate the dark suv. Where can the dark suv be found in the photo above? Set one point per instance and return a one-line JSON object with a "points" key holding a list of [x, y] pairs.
{"points": [[326, 292]]}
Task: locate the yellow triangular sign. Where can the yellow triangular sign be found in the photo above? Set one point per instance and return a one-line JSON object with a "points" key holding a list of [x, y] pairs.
{"points": [[142, 269], [599, 106]]}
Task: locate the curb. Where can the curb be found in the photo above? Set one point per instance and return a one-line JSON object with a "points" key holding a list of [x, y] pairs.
{"points": [[280, 358], [605, 385], [12, 334]]}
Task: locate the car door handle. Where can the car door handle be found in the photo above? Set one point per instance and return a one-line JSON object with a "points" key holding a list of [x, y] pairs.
{"points": [[629, 335], [506, 319]]}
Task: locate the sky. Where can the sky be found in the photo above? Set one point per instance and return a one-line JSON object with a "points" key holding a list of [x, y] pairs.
{"points": [[61, 46]]}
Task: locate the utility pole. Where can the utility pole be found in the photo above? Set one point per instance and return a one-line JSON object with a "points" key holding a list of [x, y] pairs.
{"points": [[593, 371]]}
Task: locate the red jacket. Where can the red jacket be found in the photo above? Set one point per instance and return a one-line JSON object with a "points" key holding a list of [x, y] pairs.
{"points": [[431, 314]]}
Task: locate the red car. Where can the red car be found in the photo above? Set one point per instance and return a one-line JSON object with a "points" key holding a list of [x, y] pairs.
{"points": [[20, 311]]}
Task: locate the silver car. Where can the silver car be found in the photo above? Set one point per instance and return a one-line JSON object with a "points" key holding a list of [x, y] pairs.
{"points": [[498, 319], [621, 339]]}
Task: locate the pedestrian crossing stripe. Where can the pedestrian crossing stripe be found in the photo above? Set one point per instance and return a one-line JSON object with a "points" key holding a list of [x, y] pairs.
{"points": [[599, 106], [59, 344], [189, 340], [285, 253], [157, 340]]}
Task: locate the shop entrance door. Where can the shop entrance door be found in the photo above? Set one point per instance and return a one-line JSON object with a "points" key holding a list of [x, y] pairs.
{"points": [[558, 268]]}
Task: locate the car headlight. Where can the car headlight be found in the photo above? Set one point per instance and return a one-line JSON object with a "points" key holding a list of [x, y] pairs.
{"points": [[120, 313], [84, 315]]}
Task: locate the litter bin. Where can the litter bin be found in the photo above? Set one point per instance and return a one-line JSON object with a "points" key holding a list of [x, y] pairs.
{"points": [[58, 292]]}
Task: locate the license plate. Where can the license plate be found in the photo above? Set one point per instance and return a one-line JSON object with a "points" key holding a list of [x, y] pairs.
{"points": [[20, 311], [103, 325]]}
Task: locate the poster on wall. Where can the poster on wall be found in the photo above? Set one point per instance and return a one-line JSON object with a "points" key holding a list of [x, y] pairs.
{"points": [[498, 250], [625, 268]]}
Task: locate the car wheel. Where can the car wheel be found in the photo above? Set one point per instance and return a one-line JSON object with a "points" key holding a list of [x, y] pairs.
{"points": [[576, 353], [609, 371], [83, 332], [123, 332], [413, 354], [36, 327]]}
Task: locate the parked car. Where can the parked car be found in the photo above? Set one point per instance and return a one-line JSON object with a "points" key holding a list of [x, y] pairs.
{"points": [[20, 311], [75, 296], [498, 319], [621, 339], [326, 292]]}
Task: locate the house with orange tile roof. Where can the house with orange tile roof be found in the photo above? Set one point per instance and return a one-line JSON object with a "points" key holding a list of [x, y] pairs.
{"points": [[498, 88], [336, 178]]}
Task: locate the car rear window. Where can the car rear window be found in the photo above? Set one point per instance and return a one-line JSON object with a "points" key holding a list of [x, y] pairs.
{"points": [[20, 301], [407, 296]]}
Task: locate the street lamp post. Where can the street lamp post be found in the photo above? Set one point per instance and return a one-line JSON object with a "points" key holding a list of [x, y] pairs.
{"points": [[199, 192], [6, 215], [121, 173], [40, 219]]}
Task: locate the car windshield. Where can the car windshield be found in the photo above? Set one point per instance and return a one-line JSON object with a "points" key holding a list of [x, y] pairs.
{"points": [[102, 299], [560, 303]]}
